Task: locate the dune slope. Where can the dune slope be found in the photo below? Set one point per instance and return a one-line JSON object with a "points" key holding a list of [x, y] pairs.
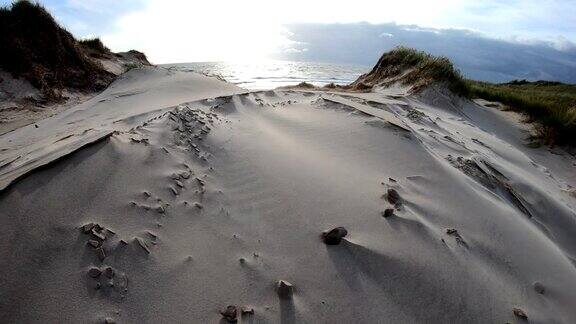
{"points": [[205, 196]]}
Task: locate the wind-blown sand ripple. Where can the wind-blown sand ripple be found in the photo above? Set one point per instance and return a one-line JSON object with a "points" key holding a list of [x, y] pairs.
{"points": [[213, 201]]}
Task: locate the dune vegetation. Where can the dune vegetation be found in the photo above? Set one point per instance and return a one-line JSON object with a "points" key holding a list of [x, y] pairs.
{"points": [[37, 49], [551, 104]]}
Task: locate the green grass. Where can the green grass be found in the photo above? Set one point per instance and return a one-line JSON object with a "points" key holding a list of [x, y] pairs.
{"points": [[552, 105], [94, 44], [415, 68]]}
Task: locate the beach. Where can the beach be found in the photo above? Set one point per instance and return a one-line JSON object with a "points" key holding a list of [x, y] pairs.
{"points": [[172, 195]]}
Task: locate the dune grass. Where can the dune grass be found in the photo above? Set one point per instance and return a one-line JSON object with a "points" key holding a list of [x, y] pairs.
{"points": [[36, 48], [551, 104], [94, 44], [415, 68]]}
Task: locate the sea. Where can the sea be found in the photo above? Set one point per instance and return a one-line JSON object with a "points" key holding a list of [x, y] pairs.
{"points": [[271, 74]]}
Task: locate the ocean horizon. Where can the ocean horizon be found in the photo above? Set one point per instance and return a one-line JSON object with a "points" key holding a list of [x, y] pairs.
{"points": [[272, 74]]}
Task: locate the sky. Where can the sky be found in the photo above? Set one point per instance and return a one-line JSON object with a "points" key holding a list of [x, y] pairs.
{"points": [[170, 31]]}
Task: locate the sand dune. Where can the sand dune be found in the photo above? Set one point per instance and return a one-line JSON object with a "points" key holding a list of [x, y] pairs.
{"points": [[196, 195]]}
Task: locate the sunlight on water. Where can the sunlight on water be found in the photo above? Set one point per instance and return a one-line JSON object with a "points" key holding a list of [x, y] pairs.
{"points": [[272, 74]]}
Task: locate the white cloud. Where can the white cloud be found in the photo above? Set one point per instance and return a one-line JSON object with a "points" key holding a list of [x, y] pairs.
{"points": [[179, 31]]}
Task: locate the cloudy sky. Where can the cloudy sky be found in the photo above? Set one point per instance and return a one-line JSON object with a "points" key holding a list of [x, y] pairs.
{"points": [[354, 31]]}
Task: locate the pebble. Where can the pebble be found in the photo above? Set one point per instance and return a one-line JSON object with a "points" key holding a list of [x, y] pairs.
{"points": [[146, 194], [94, 272], [179, 184], [94, 243], [101, 253], [198, 205], [539, 288], [451, 231], [109, 272], [393, 196], [230, 314], [160, 209], [109, 320], [174, 191], [87, 228], [388, 212], [520, 313], [285, 289], [334, 236]]}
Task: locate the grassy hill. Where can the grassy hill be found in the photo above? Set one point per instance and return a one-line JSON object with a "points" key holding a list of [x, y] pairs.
{"points": [[35, 48], [551, 105]]}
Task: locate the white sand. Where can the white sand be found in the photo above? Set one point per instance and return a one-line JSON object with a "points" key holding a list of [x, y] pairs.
{"points": [[269, 172]]}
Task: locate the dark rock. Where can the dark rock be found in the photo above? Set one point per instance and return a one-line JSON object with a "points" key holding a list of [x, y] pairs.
{"points": [[334, 236], [451, 231], [87, 228], [94, 243], [284, 289], [230, 314], [94, 272], [520, 313], [109, 272], [101, 253], [198, 205], [539, 288], [393, 197], [388, 212], [98, 234]]}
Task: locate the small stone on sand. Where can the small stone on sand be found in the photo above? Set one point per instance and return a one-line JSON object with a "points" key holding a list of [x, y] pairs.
{"points": [[198, 205], [451, 231], [230, 314], [520, 313], [334, 236], [94, 272], [539, 287], [109, 272], [101, 253], [87, 228], [393, 196], [146, 194], [284, 289], [160, 209], [179, 184], [388, 212], [94, 243]]}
